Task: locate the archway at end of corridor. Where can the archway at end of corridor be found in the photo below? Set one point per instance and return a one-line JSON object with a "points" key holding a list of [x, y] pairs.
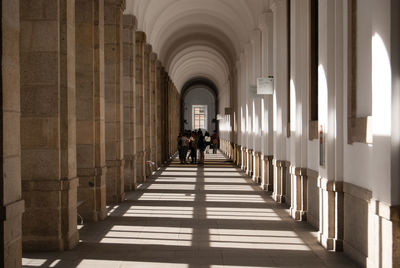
{"points": [[199, 105]]}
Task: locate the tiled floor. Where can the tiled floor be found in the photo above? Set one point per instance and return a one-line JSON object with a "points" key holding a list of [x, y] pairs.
{"points": [[195, 216]]}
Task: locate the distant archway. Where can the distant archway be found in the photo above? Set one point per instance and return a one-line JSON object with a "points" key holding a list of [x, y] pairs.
{"points": [[199, 83]]}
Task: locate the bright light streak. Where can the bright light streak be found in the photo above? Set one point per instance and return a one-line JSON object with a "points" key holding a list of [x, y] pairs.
{"points": [[292, 106], [381, 87], [322, 98]]}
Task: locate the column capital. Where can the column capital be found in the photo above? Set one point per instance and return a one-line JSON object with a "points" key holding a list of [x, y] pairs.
{"points": [[264, 20], [153, 56], [148, 49], [159, 64], [130, 22], [119, 3], [140, 36]]}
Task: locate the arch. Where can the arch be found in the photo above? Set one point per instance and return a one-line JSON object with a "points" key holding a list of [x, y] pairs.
{"points": [[192, 84]]}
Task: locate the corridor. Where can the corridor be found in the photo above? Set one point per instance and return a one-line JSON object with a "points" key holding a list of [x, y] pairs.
{"points": [[195, 216]]}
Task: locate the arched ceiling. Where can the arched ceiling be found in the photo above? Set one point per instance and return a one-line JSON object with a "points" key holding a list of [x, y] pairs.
{"points": [[197, 38]]}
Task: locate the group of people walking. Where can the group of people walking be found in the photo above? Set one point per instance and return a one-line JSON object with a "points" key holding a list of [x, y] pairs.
{"points": [[193, 142]]}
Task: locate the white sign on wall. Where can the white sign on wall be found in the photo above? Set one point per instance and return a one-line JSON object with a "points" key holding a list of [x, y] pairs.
{"points": [[265, 86]]}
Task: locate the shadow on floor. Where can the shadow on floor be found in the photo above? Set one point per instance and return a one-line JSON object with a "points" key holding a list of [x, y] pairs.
{"points": [[195, 216]]}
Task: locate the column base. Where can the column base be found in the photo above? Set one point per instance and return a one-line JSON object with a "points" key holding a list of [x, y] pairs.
{"points": [[49, 221], [52, 243], [329, 243], [268, 187], [298, 215], [11, 214], [279, 198]]}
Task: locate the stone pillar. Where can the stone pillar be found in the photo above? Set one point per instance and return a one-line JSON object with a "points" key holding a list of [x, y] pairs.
{"points": [[113, 46], [165, 123], [153, 109], [331, 208], [280, 177], [256, 167], [268, 176], [147, 106], [159, 112], [90, 139], [48, 125], [238, 155], [243, 158], [11, 206], [140, 137], [129, 102], [298, 208], [249, 166]]}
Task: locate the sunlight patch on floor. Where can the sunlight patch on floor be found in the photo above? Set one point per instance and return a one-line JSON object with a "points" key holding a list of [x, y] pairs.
{"points": [[160, 212], [241, 214], [167, 197], [149, 235], [166, 186], [234, 198]]}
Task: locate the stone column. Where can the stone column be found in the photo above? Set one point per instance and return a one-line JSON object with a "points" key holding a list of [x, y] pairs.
{"points": [[147, 106], [90, 139], [113, 46], [268, 176], [153, 109], [165, 123], [249, 167], [12, 205], [129, 86], [159, 112], [256, 166], [298, 208], [243, 158], [280, 179], [140, 137], [48, 125]]}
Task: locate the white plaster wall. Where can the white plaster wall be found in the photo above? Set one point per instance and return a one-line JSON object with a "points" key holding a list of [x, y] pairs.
{"points": [[368, 166]]}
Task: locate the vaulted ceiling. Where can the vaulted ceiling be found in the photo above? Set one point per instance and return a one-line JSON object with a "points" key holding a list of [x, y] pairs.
{"points": [[197, 38]]}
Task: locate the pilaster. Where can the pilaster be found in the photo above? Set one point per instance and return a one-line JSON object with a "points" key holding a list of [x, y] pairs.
{"points": [[280, 179], [330, 233], [268, 173], [298, 208]]}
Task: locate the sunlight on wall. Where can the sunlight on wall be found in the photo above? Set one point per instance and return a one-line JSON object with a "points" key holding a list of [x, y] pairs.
{"points": [[275, 107], [263, 124], [292, 106], [247, 119], [242, 122], [381, 87], [322, 98]]}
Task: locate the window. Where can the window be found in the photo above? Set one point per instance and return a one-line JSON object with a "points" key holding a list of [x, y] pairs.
{"points": [[199, 113]]}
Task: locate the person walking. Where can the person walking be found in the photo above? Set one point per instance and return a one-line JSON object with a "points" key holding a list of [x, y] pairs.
{"points": [[214, 141], [185, 148], [179, 139], [202, 146], [193, 148], [207, 138]]}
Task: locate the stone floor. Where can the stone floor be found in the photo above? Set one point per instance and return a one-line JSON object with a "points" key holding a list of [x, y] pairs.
{"points": [[195, 216]]}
